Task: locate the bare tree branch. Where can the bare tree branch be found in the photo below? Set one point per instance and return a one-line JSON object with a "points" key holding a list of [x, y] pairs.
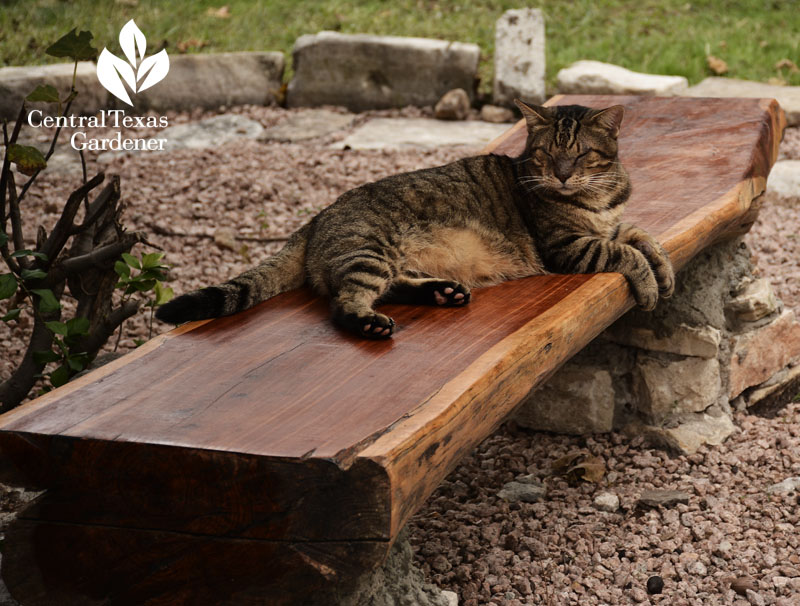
{"points": [[100, 256], [63, 228], [16, 221], [92, 343]]}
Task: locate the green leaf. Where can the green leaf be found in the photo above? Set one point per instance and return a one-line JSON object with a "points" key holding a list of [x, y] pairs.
{"points": [[11, 315], [3, 238], [33, 274], [144, 285], [44, 357], [44, 92], [48, 302], [28, 159], [59, 376], [123, 270], [58, 328], [163, 293], [131, 260], [76, 46], [8, 285], [29, 253], [151, 260], [78, 326], [77, 363]]}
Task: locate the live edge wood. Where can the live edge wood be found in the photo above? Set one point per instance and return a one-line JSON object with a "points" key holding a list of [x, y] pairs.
{"points": [[268, 457]]}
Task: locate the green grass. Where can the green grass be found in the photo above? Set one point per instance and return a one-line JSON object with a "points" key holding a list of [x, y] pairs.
{"points": [[655, 36]]}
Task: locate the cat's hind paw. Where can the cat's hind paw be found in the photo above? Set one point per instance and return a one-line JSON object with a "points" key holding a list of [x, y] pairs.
{"points": [[450, 294], [369, 326]]}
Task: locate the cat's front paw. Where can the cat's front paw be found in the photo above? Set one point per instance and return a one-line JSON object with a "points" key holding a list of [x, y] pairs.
{"points": [[644, 288], [660, 264], [370, 326]]}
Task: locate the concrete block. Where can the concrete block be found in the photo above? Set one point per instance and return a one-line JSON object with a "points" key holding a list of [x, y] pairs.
{"points": [[577, 399], [667, 387], [685, 340], [758, 354], [16, 83], [754, 301], [519, 59], [362, 72], [213, 80]]}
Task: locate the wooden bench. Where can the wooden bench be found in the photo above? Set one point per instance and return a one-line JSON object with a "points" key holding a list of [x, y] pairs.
{"points": [[263, 458]]}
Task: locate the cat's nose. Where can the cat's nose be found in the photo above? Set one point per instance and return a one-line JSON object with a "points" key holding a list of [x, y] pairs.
{"points": [[563, 171]]}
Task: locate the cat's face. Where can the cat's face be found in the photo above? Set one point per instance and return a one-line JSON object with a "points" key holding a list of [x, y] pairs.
{"points": [[571, 149]]}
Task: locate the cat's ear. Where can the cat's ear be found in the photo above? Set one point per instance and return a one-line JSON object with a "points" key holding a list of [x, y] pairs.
{"points": [[534, 116], [610, 119]]}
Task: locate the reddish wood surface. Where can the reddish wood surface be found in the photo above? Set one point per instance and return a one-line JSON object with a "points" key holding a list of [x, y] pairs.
{"points": [[274, 426]]}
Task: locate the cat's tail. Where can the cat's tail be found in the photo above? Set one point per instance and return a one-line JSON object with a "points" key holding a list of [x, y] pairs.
{"points": [[281, 272]]}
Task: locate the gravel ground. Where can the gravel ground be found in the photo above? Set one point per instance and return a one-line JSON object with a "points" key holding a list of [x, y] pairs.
{"points": [[561, 550]]}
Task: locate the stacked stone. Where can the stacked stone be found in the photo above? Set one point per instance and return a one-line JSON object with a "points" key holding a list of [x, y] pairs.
{"points": [[672, 375]]}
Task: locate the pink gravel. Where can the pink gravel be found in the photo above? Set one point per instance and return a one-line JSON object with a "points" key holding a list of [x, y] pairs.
{"points": [[561, 550]]}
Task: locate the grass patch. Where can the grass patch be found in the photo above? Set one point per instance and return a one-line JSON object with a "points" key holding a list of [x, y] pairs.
{"points": [[655, 36]]}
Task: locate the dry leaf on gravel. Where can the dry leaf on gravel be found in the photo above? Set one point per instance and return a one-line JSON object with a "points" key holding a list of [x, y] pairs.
{"points": [[223, 12], [580, 465], [716, 65]]}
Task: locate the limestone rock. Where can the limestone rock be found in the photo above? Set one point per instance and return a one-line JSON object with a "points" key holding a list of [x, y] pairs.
{"points": [[454, 105], [519, 59], [225, 238], [756, 300], [361, 71], [666, 387], [688, 437], [787, 96], [16, 83], [663, 498], [213, 80], [524, 492], [685, 340], [788, 485], [451, 597], [784, 178], [401, 133], [598, 78], [577, 399], [496, 114], [773, 394], [607, 502], [308, 124], [758, 354]]}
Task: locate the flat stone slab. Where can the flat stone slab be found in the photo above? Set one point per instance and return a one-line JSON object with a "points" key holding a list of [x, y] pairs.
{"points": [[308, 124], [399, 133], [787, 96], [785, 178], [597, 78], [211, 132], [361, 71]]}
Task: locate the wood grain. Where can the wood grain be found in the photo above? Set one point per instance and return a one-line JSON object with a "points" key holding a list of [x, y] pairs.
{"points": [[275, 428]]}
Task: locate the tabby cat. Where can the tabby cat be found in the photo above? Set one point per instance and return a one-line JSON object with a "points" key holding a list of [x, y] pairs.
{"points": [[428, 236]]}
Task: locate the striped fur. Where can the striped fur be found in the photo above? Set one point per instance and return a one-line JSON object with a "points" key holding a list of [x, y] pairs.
{"points": [[427, 237]]}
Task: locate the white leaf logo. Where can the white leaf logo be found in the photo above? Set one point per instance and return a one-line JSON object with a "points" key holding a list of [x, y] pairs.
{"points": [[139, 72]]}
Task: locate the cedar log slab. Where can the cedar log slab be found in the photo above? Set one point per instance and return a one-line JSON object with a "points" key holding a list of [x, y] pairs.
{"points": [[269, 458]]}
